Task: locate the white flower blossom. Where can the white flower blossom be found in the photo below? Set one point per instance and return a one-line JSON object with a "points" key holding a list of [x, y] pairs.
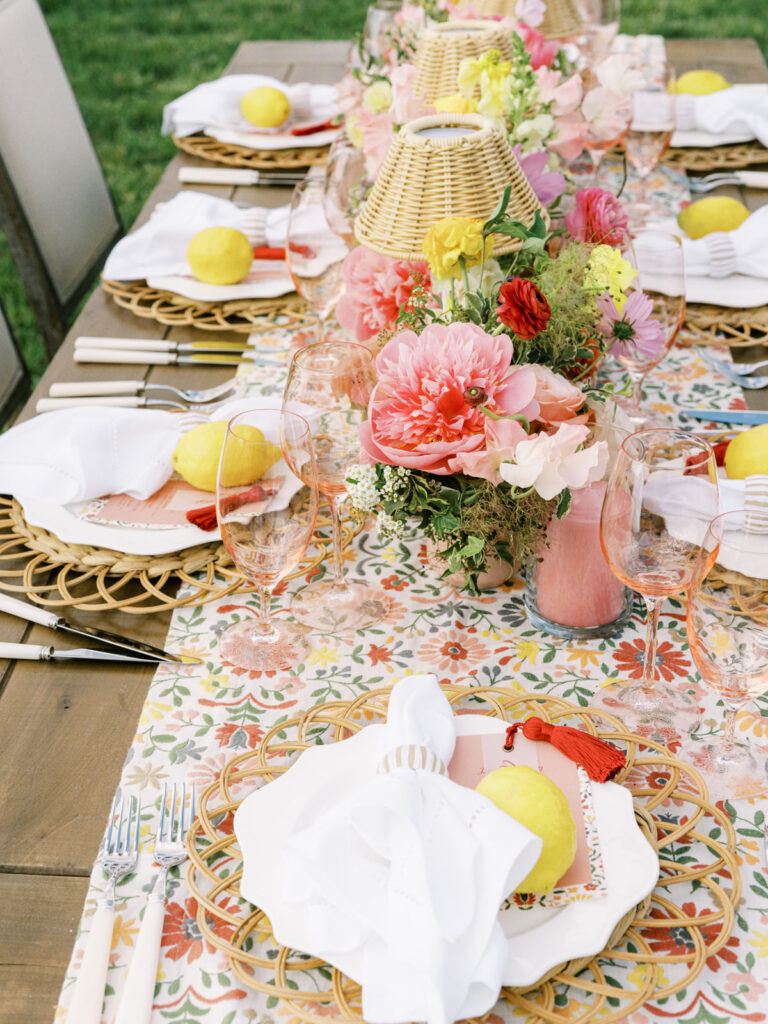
{"points": [[389, 528], [362, 487], [551, 462]]}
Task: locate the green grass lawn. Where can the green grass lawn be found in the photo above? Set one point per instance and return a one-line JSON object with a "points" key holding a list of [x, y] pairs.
{"points": [[126, 61]]}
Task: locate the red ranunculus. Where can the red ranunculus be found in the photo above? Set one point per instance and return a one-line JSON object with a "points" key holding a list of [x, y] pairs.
{"points": [[523, 308]]}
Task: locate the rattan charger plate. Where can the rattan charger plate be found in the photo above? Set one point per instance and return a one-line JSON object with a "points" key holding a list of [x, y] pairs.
{"points": [[573, 993], [242, 315], [720, 325], [717, 158], [56, 575], [208, 148]]}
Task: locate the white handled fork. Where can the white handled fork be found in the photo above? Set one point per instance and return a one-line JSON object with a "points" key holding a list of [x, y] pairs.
{"points": [[176, 816]]}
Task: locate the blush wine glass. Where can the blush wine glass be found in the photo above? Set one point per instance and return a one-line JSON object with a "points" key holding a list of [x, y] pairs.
{"points": [[334, 381], [267, 519], [314, 251], [727, 626], [346, 187], [650, 132], [661, 494]]}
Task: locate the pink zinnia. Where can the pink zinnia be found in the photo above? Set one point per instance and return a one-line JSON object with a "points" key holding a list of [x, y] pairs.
{"points": [[426, 409], [598, 217], [377, 287], [632, 332]]}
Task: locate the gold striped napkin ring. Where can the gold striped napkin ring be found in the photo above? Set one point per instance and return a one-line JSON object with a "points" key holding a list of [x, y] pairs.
{"points": [[410, 755]]}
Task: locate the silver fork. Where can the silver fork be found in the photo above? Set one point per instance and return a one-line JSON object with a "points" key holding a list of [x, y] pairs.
{"points": [[121, 850], [749, 179], [732, 370], [176, 816], [82, 389]]}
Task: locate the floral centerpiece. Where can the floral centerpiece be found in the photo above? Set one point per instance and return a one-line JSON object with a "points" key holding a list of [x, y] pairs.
{"points": [[480, 424]]}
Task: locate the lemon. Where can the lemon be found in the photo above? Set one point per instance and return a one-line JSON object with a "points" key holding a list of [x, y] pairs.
{"points": [[265, 107], [219, 255], [196, 456], [701, 83], [747, 454], [715, 213], [536, 802]]}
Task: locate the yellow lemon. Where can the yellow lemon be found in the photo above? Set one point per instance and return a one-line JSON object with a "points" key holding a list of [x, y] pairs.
{"points": [[715, 213], [220, 255], [265, 107], [196, 457], [701, 83], [536, 802], [747, 454]]}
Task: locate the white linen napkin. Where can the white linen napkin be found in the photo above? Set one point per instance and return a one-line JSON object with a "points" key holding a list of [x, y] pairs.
{"points": [[738, 114], [217, 105], [158, 248], [393, 873]]}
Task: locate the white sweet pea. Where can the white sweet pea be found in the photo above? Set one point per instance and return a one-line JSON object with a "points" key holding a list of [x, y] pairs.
{"points": [[530, 11], [534, 132], [617, 75], [550, 462]]}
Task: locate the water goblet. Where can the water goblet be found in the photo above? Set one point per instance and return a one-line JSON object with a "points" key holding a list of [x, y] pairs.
{"points": [[601, 25], [661, 494], [727, 626], [334, 381], [346, 187], [314, 251], [267, 519], [650, 132]]}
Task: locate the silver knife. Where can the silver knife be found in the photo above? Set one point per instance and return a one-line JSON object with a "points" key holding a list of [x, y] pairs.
{"points": [[750, 416], [161, 345], [39, 652], [111, 355], [43, 617]]}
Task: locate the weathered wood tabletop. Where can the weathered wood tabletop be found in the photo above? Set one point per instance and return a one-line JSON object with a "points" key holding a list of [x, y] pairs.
{"points": [[65, 730]]}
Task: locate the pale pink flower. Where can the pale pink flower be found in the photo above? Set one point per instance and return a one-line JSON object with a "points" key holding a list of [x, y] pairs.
{"points": [[414, 16], [377, 131], [530, 11], [547, 185], [425, 410], [570, 133], [618, 74], [551, 462], [608, 113], [376, 289], [501, 437], [558, 398], [540, 51], [598, 217], [564, 95], [406, 103], [349, 94], [746, 984], [633, 331]]}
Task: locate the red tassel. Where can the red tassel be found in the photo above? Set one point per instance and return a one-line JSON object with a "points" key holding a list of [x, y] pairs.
{"points": [[312, 129], [600, 760], [268, 252], [698, 463], [205, 518]]}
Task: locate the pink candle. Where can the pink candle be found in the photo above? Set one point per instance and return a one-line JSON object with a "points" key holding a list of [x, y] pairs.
{"points": [[575, 587]]}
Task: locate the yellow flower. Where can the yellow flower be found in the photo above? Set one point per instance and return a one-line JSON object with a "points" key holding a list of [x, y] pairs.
{"points": [[377, 97], [526, 650], [583, 655], [455, 104], [323, 656], [608, 270], [450, 239], [760, 942], [154, 710], [493, 90], [471, 70], [354, 131], [213, 681], [123, 931]]}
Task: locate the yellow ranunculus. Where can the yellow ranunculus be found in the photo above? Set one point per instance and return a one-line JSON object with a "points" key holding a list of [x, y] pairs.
{"points": [[450, 239], [455, 104], [608, 270], [378, 97]]}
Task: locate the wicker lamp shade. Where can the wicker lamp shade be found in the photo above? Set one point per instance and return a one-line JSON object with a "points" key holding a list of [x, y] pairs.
{"points": [[439, 166], [563, 19], [442, 48]]}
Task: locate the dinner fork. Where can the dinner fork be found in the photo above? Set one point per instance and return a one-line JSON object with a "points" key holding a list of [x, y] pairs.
{"points": [[731, 370], [83, 388], [176, 815], [749, 179], [121, 850]]}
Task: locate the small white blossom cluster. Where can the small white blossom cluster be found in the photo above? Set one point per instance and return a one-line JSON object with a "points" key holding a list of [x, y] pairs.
{"points": [[395, 478], [388, 527], [362, 488]]}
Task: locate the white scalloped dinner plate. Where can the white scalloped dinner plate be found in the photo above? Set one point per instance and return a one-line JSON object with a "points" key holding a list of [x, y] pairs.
{"points": [[538, 938]]}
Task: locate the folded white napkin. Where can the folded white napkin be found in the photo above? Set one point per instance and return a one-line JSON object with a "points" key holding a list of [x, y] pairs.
{"points": [[159, 247], [83, 453], [393, 873], [217, 105], [731, 115]]}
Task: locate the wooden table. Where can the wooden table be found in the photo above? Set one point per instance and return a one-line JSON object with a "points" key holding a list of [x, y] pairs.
{"points": [[64, 731]]}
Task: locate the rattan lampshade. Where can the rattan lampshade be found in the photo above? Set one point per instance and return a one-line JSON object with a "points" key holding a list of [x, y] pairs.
{"points": [[439, 166], [563, 19], [442, 48]]}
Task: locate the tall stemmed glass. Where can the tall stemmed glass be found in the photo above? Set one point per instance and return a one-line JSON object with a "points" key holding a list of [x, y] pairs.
{"points": [[727, 624], [601, 26], [334, 382], [658, 259], [267, 518], [346, 187], [650, 132], [661, 494], [314, 251]]}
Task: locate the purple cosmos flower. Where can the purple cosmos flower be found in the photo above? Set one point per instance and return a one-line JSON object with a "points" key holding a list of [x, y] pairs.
{"points": [[633, 332]]}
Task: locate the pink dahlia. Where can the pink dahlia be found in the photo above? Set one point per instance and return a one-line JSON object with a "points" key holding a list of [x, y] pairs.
{"points": [[632, 332], [426, 410], [377, 287]]}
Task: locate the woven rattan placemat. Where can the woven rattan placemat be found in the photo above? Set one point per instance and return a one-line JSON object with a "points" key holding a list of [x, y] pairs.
{"points": [[573, 993], [717, 158], [207, 148]]}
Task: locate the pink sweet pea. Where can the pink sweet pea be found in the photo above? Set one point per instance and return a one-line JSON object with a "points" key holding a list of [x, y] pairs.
{"points": [[551, 462], [376, 289], [530, 11], [377, 130], [598, 217], [407, 104], [501, 438], [564, 96], [541, 52], [425, 411]]}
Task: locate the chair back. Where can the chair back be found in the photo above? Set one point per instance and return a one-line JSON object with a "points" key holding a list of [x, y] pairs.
{"points": [[14, 379], [55, 205]]}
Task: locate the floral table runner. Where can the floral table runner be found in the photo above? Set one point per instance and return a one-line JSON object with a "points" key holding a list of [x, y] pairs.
{"points": [[198, 717]]}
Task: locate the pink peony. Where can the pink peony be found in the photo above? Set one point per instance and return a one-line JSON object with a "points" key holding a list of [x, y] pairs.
{"points": [[558, 399], [425, 411], [599, 217], [540, 51], [376, 289]]}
